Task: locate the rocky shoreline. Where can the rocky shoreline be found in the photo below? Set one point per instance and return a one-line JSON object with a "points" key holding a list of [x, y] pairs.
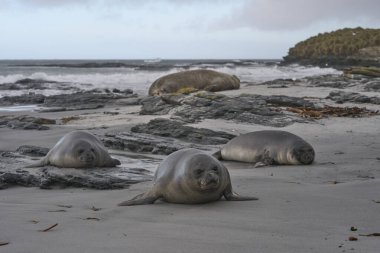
{"points": [[168, 129]]}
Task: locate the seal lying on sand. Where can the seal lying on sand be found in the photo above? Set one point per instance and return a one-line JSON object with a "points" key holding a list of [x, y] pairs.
{"points": [[188, 176], [78, 149], [200, 79], [268, 147]]}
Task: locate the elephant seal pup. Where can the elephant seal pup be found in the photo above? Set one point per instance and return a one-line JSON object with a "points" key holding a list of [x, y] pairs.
{"points": [[188, 176], [78, 149], [268, 147], [194, 80]]}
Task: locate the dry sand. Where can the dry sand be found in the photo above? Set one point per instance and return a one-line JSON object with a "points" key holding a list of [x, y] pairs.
{"points": [[300, 208]]}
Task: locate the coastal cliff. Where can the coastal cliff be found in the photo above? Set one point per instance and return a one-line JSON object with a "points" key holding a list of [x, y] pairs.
{"points": [[344, 47]]}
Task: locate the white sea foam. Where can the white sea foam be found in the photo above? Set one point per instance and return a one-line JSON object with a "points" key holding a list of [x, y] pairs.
{"points": [[20, 108], [140, 80]]}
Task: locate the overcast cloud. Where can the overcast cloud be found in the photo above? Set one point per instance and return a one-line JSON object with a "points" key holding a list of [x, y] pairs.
{"points": [[171, 28], [296, 14]]}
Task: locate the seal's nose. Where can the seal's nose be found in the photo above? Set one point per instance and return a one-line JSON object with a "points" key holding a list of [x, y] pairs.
{"points": [[87, 157], [212, 178]]}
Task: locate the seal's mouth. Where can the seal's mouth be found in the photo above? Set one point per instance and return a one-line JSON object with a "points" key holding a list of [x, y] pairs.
{"points": [[208, 182], [87, 160]]}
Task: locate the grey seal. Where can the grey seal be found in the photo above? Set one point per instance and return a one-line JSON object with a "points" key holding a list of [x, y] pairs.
{"points": [[188, 176], [78, 149], [268, 147], [200, 79]]}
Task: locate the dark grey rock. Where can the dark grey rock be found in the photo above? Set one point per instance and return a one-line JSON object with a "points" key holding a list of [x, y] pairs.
{"points": [[160, 105], [25, 122], [333, 81], [27, 99], [147, 143], [85, 98], [174, 129], [354, 97], [128, 101], [245, 108], [373, 85], [278, 83], [32, 150]]}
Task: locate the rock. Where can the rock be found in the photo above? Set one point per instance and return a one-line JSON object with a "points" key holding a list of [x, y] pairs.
{"points": [[174, 129], [333, 81], [160, 105], [365, 71], [25, 122], [193, 80], [343, 97], [147, 143], [126, 91], [32, 150], [38, 84], [27, 99], [128, 101], [278, 83], [373, 85], [245, 108], [83, 99]]}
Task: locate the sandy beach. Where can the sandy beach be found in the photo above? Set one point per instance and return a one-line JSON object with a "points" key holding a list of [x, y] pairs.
{"points": [[329, 206]]}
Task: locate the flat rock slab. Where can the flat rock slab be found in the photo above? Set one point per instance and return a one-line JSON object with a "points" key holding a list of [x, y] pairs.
{"points": [[175, 129], [147, 143], [246, 108], [331, 81], [13, 172], [354, 97], [81, 100], [26, 122]]}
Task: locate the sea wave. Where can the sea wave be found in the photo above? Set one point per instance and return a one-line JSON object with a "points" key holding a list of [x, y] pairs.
{"points": [[140, 80]]}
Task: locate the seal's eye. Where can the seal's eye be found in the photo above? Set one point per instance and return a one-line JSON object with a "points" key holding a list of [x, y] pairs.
{"points": [[93, 150], [198, 172], [215, 170], [80, 151]]}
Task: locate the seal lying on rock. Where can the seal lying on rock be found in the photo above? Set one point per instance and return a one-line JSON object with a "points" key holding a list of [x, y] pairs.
{"points": [[78, 149], [193, 80], [188, 176], [268, 147]]}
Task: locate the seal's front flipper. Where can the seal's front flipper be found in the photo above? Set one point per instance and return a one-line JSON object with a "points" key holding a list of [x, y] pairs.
{"points": [[260, 164], [235, 197], [40, 163], [231, 196], [141, 199], [115, 162]]}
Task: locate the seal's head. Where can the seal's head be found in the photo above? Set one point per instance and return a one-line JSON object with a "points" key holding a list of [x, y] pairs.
{"points": [[303, 153], [204, 173], [85, 154]]}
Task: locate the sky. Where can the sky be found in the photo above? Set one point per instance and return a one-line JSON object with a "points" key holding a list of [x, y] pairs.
{"points": [[171, 29]]}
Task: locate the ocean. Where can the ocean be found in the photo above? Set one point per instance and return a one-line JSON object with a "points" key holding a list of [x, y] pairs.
{"points": [[65, 76]]}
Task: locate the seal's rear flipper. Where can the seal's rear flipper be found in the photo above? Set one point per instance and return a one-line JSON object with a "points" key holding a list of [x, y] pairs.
{"points": [[218, 155], [231, 196], [141, 199]]}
